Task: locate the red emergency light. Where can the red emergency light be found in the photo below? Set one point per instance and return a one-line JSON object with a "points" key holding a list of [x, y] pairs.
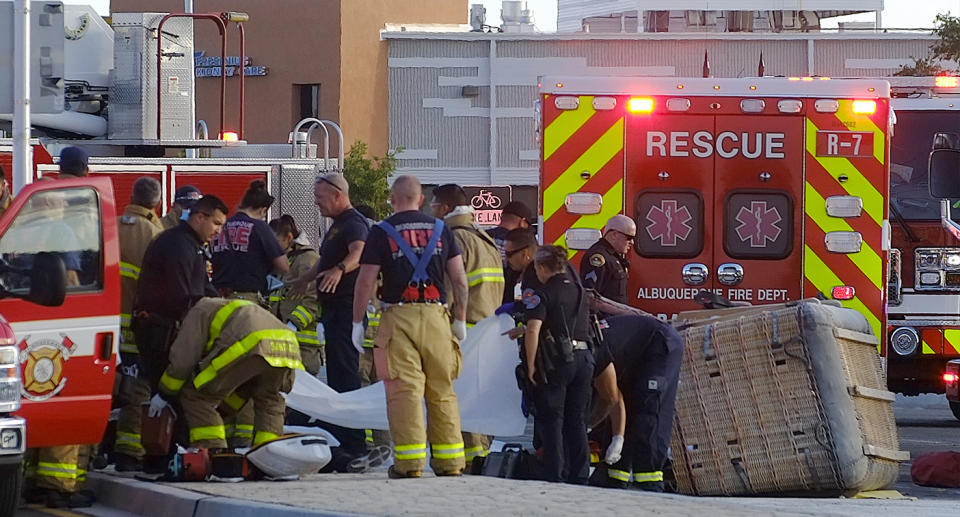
{"points": [[640, 105], [229, 136], [843, 292], [946, 81], [950, 377], [865, 107]]}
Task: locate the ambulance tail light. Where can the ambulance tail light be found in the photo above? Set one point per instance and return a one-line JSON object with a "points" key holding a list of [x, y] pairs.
{"points": [[864, 107], [678, 104], [843, 242], [844, 206], [790, 106], [752, 105], [843, 292], [586, 203], [640, 105], [950, 378], [581, 238], [947, 81], [229, 136], [9, 379]]}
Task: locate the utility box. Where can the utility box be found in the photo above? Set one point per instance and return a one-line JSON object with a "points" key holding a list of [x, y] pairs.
{"points": [[46, 57], [133, 101]]}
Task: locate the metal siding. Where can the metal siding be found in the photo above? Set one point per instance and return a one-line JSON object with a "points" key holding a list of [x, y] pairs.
{"points": [[516, 96], [570, 13], [830, 56], [430, 48], [515, 135]]}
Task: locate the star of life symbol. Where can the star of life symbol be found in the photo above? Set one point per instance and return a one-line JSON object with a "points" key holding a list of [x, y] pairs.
{"points": [[758, 224], [669, 223]]}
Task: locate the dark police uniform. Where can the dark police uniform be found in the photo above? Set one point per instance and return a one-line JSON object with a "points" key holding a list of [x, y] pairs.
{"points": [[646, 353], [605, 270], [172, 278], [336, 309], [562, 395], [242, 256]]}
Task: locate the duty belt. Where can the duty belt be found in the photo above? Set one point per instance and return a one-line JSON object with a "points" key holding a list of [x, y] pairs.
{"points": [[579, 345]]}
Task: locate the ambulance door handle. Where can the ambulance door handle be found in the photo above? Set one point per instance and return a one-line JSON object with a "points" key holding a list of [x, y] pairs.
{"points": [[695, 274], [730, 274]]}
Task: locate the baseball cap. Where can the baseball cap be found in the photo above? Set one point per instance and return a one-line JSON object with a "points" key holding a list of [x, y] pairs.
{"points": [[520, 210], [187, 196], [73, 161]]}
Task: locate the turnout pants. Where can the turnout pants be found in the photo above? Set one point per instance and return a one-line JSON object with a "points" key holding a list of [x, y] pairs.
{"points": [[417, 357], [62, 468], [249, 377], [134, 393], [561, 419], [343, 367], [368, 376]]}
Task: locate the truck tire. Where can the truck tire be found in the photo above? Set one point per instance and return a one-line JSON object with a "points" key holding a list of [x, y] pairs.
{"points": [[955, 407], [10, 480]]}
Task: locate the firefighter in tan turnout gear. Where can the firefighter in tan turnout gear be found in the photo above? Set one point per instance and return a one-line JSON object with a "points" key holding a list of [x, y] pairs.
{"points": [[484, 269], [229, 352], [138, 225], [417, 351]]}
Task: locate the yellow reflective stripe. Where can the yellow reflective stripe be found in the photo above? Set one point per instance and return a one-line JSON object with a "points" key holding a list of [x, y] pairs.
{"points": [[240, 430], [824, 280], [211, 432], [592, 160], [867, 259], [234, 401], [303, 314], [612, 205], [594, 457], [373, 319], [277, 337], [474, 452], [125, 320], [619, 475], [308, 338], [645, 477], [565, 125], [485, 274], [56, 470], [926, 348], [171, 383], [129, 348], [410, 452], [263, 436], [220, 319], [129, 270], [447, 451], [856, 184], [862, 123], [129, 439]]}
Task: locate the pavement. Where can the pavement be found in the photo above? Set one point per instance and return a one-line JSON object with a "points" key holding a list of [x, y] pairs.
{"points": [[925, 425]]}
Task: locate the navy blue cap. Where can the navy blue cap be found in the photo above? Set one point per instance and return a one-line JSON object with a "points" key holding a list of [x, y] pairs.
{"points": [[187, 196], [73, 161]]}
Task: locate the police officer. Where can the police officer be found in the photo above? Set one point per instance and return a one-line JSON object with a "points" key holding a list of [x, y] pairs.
{"points": [[604, 266], [229, 353], [560, 366], [183, 200], [416, 348], [484, 268], [647, 354], [515, 215], [138, 225]]}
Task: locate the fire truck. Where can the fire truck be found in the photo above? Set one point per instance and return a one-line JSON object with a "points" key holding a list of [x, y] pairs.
{"points": [[761, 190], [924, 283]]}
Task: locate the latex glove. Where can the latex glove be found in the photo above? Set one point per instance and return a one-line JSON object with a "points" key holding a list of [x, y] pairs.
{"points": [[459, 328], [291, 326], [506, 308], [614, 450], [157, 403], [357, 337]]}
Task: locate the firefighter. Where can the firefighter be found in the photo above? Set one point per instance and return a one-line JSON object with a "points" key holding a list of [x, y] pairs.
{"points": [[138, 225], [417, 350], [183, 200], [484, 267], [604, 266], [559, 365], [647, 354], [229, 353], [298, 311], [246, 250]]}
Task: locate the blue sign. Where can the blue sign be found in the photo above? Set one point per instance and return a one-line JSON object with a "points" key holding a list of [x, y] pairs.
{"points": [[210, 66]]}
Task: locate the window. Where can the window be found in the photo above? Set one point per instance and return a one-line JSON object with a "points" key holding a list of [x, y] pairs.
{"points": [[669, 223], [308, 98], [63, 222]]}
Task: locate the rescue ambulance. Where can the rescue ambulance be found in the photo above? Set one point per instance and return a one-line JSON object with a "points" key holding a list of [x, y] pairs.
{"points": [[761, 190]]}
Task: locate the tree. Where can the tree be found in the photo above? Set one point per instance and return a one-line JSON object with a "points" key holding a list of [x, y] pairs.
{"points": [[948, 29], [922, 67], [368, 177]]}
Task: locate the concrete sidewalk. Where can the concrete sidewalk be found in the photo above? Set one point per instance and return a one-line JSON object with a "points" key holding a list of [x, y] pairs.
{"points": [[374, 494]]}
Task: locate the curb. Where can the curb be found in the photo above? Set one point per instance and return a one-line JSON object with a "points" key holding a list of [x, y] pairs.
{"points": [[159, 500]]}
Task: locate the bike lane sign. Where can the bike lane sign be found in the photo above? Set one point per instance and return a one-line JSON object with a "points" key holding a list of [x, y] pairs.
{"points": [[488, 202]]}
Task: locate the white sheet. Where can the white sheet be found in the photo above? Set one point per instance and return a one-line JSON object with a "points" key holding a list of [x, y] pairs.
{"points": [[486, 390]]}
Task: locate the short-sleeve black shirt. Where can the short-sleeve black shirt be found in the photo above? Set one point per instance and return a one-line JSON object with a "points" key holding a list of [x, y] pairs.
{"points": [[555, 303], [243, 254], [416, 228], [350, 226]]}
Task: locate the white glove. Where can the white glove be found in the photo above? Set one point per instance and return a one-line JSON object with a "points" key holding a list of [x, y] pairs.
{"points": [[614, 450], [157, 403], [291, 326], [459, 329], [357, 335]]}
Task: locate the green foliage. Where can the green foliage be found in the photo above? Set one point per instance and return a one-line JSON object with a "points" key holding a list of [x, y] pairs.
{"points": [[921, 67], [948, 30], [368, 177]]}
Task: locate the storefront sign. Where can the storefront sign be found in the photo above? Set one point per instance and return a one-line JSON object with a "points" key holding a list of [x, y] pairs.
{"points": [[209, 66], [488, 202]]}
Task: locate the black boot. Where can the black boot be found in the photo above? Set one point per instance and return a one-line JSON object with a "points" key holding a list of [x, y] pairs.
{"points": [[126, 463]]}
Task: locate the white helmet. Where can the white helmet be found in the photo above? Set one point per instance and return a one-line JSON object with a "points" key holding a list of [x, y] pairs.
{"points": [[291, 455]]}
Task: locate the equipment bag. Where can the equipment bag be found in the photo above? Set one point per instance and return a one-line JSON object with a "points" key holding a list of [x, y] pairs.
{"points": [[513, 462], [941, 469], [420, 287]]}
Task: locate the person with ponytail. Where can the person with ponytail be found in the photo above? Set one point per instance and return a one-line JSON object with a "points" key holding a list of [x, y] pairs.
{"points": [[298, 311], [246, 250]]}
